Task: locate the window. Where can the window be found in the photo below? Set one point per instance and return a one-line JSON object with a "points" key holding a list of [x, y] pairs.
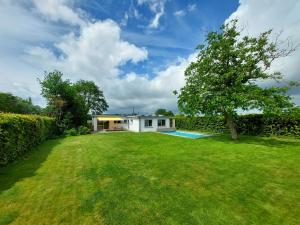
{"points": [[161, 123], [148, 123], [117, 121]]}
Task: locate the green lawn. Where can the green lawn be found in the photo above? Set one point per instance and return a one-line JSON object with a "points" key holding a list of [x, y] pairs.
{"points": [[150, 178]]}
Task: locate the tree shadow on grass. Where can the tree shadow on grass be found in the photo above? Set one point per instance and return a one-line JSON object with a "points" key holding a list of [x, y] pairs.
{"points": [[26, 165], [279, 142]]}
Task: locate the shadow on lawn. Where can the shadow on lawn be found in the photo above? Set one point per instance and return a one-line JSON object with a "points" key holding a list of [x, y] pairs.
{"points": [[279, 142], [26, 165]]}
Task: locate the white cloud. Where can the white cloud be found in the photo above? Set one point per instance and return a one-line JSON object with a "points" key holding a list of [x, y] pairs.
{"points": [[191, 7], [97, 52], [183, 12], [157, 7], [259, 16], [146, 94], [179, 13], [124, 21], [57, 10]]}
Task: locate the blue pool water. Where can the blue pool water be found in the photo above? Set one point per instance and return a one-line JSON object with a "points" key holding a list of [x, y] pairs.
{"points": [[185, 134]]}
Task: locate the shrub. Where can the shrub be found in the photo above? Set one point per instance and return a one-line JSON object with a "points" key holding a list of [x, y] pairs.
{"points": [[82, 130], [71, 132], [19, 133], [252, 124], [210, 124]]}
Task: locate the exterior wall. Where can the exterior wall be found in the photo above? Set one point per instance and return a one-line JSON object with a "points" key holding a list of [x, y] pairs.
{"points": [[95, 124], [133, 124], [147, 129], [137, 124], [124, 126], [155, 126]]}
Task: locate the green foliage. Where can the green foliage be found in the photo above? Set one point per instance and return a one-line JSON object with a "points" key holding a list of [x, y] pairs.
{"points": [[205, 123], [225, 76], [14, 104], [81, 130], [70, 103], [253, 124], [71, 132], [92, 95], [19, 133], [164, 112]]}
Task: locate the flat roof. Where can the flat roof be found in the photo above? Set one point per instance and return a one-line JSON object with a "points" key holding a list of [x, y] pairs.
{"points": [[110, 118], [141, 116], [122, 117]]}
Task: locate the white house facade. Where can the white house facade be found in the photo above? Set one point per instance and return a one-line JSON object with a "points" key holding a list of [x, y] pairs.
{"points": [[135, 123]]}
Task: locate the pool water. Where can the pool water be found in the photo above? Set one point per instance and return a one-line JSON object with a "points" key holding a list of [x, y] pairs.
{"points": [[185, 134]]}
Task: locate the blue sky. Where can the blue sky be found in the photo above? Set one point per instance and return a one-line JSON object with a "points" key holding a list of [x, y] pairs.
{"points": [[135, 50], [176, 36]]}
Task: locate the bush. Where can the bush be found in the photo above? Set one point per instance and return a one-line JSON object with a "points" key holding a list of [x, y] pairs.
{"points": [[19, 133], [81, 130], [71, 132], [258, 124], [210, 124], [252, 124]]}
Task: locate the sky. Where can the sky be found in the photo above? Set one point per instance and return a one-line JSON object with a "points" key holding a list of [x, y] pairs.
{"points": [[136, 51]]}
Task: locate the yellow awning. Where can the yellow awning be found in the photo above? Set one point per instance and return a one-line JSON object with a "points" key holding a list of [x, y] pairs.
{"points": [[110, 118]]}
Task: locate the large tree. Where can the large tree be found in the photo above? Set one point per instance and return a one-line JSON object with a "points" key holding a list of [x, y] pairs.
{"points": [[163, 112], [92, 95], [225, 76], [14, 104], [70, 103]]}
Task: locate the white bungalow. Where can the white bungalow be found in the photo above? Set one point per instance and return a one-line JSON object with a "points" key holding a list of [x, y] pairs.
{"points": [[133, 123]]}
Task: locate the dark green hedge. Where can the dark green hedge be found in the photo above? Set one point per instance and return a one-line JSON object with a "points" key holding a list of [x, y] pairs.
{"points": [[252, 124], [19, 133]]}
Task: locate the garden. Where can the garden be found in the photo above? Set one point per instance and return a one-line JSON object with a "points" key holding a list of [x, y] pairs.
{"points": [[151, 178]]}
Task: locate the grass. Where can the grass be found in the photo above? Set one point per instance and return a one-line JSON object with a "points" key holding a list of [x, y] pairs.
{"points": [[150, 178]]}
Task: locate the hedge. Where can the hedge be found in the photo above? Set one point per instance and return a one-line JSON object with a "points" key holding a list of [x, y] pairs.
{"points": [[19, 133], [252, 124]]}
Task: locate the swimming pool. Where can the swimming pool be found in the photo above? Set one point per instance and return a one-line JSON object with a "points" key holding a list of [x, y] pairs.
{"points": [[185, 134]]}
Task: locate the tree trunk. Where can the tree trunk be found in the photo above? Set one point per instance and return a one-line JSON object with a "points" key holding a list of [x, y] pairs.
{"points": [[232, 127]]}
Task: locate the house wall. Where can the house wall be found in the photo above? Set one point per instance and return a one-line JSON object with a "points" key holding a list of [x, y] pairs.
{"points": [[155, 126], [138, 124], [133, 124], [95, 123], [125, 126]]}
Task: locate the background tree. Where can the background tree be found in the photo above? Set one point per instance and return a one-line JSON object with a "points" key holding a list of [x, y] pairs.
{"points": [[70, 103], [92, 95], [164, 112], [225, 76], [14, 104]]}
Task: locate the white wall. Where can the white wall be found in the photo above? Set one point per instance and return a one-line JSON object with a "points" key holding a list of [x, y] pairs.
{"points": [[154, 127], [134, 124], [95, 123], [138, 125]]}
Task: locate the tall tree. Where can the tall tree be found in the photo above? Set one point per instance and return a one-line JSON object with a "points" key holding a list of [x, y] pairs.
{"points": [[163, 112], [15, 104], [225, 76], [70, 103], [92, 95], [64, 103]]}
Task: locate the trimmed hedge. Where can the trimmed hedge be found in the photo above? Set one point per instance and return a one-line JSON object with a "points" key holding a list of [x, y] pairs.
{"points": [[19, 133], [252, 124]]}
